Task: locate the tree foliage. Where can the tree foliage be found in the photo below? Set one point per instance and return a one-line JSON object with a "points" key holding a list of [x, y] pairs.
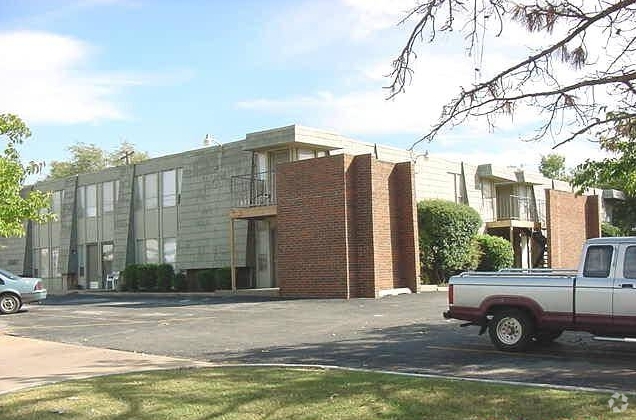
{"points": [[553, 166], [594, 40], [16, 208], [446, 232], [618, 171], [88, 158]]}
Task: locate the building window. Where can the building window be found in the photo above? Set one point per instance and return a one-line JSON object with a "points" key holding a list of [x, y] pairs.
{"points": [[151, 191], [152, 251], [116, 195], [55, 262], [56, 203], [42, 262], [139, 193], [140, 251], [91, 200], [304, 154], [80, 260], [169, 250], [179, 181], [169, 188], [108, 203], [81, 201]]}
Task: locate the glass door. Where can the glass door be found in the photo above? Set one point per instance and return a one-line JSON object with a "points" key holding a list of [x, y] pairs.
{"points": [[107, 261], [92, 266]]}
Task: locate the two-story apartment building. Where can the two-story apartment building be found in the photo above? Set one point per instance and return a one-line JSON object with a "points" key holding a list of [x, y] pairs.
{"points": [[309, 212]]}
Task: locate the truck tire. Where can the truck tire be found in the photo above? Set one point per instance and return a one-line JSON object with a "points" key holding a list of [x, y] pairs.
{"points": [[511, 330], [546, 337]]}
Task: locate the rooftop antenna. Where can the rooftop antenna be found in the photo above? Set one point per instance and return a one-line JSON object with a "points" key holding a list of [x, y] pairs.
{"points": [[126, 155]]}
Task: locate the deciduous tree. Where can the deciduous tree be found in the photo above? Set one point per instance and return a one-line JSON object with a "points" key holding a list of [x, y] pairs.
{"points": [[87, 158], [15, 207], [553, 166]]}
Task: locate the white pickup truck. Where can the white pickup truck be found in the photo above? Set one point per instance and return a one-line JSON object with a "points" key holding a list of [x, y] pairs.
{"points": [[519, 307]]}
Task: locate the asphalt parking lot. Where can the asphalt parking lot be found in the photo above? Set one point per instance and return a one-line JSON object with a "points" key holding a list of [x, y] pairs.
{"points": [[405, 333]]}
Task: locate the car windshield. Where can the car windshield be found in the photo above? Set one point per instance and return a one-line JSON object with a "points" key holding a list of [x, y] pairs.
{"points": [[9, 274]]}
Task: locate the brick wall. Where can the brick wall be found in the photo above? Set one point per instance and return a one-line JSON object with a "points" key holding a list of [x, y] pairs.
{"points": [[405, 219], [571, 220], [346, 227], [312, 237]]}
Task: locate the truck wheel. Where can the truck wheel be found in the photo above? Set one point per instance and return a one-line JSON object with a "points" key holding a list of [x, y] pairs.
{"points": [[546, 337], [511, 330]]}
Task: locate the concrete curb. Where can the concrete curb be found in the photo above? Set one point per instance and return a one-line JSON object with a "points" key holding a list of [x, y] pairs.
{"points": [[220, 293], [427, 376]]}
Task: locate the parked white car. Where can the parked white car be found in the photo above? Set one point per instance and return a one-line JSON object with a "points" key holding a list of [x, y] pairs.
{"points": [[518, 307], [16, 291]]}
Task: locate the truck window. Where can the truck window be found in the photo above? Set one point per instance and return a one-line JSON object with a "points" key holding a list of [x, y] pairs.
{"points": [[629, 265], [598, 260]]}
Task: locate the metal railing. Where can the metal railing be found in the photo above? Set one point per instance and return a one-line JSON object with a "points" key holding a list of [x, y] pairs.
{"points": [[254, 190], [513, 207]]}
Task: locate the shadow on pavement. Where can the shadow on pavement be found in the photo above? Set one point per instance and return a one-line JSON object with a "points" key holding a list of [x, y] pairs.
{"points": [[414, 348]]}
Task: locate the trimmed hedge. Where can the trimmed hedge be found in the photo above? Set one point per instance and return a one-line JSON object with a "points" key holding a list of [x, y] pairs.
{"points": [[496, 253], [180, 282], [206, 280], [446, 232], [214, 279], [129, 281], [162, 278], [165, 277], [148, 277]]}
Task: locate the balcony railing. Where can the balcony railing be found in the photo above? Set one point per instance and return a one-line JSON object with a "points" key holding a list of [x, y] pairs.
{"points": [[513, 207], [254, 190]]}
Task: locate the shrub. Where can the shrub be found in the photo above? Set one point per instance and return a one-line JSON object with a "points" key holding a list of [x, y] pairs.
{"points": [[223, 278], [148, 277], [165, 275], [130, 278], [446, 232], [179, 282], [608, 229], [206, 279], [496, 253]]}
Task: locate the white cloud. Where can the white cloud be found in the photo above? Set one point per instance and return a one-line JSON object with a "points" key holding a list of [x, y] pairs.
{"points": [[371, 16], [438, 78], [506, 151], [45, 78], [309, 26]]}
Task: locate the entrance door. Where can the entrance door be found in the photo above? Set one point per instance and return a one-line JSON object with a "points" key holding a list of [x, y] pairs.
{"points": [[594, 288], [263, 255], [92, 266], [624, 302], [107, 261]]}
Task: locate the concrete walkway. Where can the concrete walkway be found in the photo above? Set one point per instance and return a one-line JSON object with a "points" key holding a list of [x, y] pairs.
{"points": [[27, 362]]}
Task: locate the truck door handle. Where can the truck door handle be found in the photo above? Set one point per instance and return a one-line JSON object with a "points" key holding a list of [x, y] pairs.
{"points": [[627, 286]]}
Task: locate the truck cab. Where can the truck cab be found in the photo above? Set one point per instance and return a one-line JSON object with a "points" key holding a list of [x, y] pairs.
{"points": [[605, 289]]}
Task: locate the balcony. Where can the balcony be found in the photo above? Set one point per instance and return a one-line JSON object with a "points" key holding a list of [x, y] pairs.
{"points": [[253, 196], [513, 210]]}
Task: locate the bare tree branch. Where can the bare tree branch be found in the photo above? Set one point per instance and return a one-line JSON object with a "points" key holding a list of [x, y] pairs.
{"points": [[534, 81]]}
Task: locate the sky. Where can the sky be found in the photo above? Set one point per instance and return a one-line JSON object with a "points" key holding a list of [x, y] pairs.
{"points": [[162, 74]]}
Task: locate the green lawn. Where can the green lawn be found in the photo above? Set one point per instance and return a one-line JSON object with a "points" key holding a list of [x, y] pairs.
{"points": [[268, 393]]}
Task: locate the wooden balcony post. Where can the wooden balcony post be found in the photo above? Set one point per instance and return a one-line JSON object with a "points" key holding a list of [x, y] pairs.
{"points": [[232, 252]]}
